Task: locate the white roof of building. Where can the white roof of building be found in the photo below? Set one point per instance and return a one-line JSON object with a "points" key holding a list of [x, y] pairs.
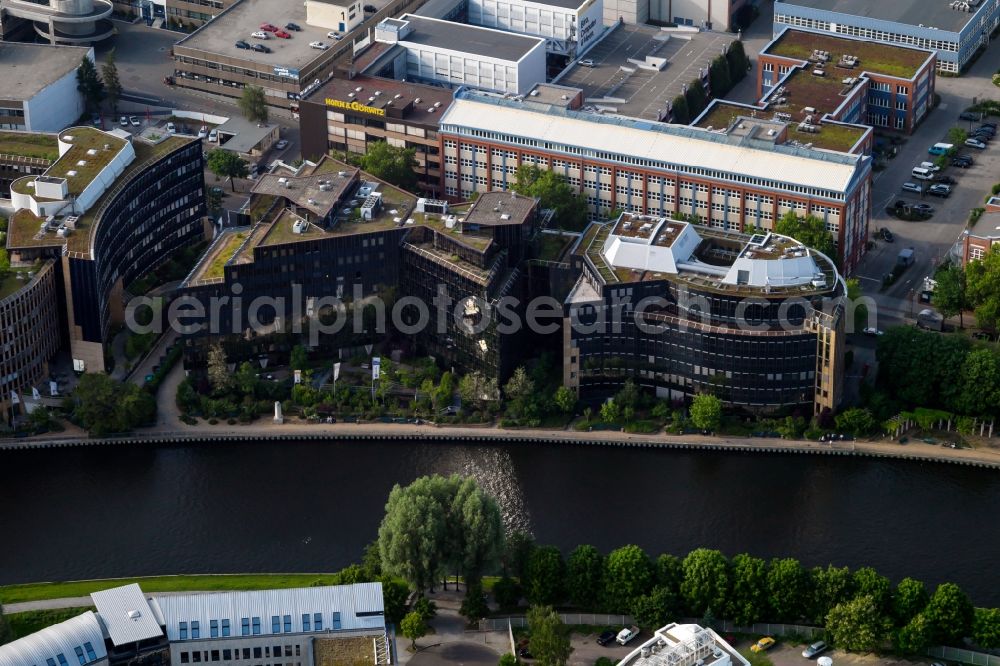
{"points": [[675, 147], [360, 607], [126, 614], [59, 639]]}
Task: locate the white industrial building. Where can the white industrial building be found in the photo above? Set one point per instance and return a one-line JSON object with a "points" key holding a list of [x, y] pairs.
{"points": [[718, 15], [684, 645], [339, 15], [39, 91], [290, 627], [568, 26], [457, 54], [78, 641]]}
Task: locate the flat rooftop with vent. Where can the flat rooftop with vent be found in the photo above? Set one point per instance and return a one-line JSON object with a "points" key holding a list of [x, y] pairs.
{"points": [[866, 56], [684, 645], [636, 248]]}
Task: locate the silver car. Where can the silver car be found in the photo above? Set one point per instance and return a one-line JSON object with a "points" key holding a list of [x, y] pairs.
{"points": [[912, 187], [815, 650]]}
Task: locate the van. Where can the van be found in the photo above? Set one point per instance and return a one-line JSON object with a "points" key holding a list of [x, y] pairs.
{"points": [[940, 148], [922, 173]]}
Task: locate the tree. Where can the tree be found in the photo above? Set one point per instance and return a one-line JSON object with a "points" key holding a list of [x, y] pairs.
{"points": [[949, 294], [610, 412], [507, 659], [982, 280], [507, 593], [89, 83], [225, 164], [104, 406], [921, 368], [549, 638], [565, 399], [394, 596], [706, 581], [787, 586], [628, 574], [957, 136], [748, 600], [909, 599], [696, 98], [810, 231], [517, 554], [831, 586], [427, 608], [718, 77], [546, 576], [553, 192], [478, 530], [413, 627], [914, 637], [393, 164], [857, 625], [868, 582], [739, 63], [629, 396], [585, 576], [655, 609], [299, 358], [856, 420], [253, 104], [473, 606], [950, 614], [679, 112], [246, 379], [979, 387], [985, 628], [706, 412], [218, 369], [112, 84], [520, 392], [213, 200], [477, 390]]}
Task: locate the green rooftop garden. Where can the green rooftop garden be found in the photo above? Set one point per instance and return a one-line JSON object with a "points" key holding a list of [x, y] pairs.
{"points": [[226, 248], [723, 114], [875, 57], [85, 139], [9, 282], [41, 146]]}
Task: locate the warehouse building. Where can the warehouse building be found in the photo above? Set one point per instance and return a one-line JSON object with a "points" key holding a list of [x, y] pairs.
{"points": [[568, 26], [111, 207], [347, 115], [749, 174], [39, 91], [754, 320], [456, 54], [956, 29]]}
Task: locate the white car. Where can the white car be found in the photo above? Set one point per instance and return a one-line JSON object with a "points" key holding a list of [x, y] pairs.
{"points": [[975, 143], [333, 34], [930, 166], [260, 34], [171, 128], [874, 332], [134, 121], [213, 136], [318, 45], [203, 132], [281, 145], [123, 121]]}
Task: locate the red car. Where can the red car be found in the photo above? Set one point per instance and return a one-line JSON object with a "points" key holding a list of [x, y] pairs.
{"points": [[282, 34], [267, 27]]}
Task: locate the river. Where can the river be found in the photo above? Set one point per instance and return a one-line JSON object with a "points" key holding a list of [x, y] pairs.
{"points": [[122, 511]]}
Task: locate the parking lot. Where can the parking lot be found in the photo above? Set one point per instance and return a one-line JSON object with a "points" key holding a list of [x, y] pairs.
{"points": [[791, 655]]}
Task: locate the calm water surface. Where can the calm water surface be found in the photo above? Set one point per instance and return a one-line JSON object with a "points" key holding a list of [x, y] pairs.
{"points": [[113, 511]]}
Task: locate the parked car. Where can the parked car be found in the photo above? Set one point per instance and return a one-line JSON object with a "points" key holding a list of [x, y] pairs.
{"points": [[927, 209], [203, 132], [912, 187], [988, 124], [606, 637], [241, 44], [968, 115], [260, 34], [982, 135], [134, 122], [171, 128], [281, 145], [260, 48], [763, 645], [962, 161], [586, 62], [123, 121], [282, 34], [213, 136], [873, 332], [333, 34], [975, 143], [294, 27], [939, 190], [318, 45], [886, 235], [947, 180], [267, 27], [815, 650], [930, 166], [989, 129], [626, 635]]}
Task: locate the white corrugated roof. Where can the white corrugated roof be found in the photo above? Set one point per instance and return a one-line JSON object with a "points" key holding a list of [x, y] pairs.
{"points": [[126, 614], [348, 600], [649, 144], [61, 639]]}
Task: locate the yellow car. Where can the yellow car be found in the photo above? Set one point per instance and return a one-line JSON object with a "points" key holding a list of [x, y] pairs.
{"points": [[763, 645]]}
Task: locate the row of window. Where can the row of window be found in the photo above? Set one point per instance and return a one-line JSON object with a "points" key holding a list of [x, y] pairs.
{"points": [[231, 654], [84, 654], [251, 626]]}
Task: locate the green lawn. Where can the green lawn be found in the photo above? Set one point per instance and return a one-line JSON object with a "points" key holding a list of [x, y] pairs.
{"points": [[23, 624], [12, 594]]}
